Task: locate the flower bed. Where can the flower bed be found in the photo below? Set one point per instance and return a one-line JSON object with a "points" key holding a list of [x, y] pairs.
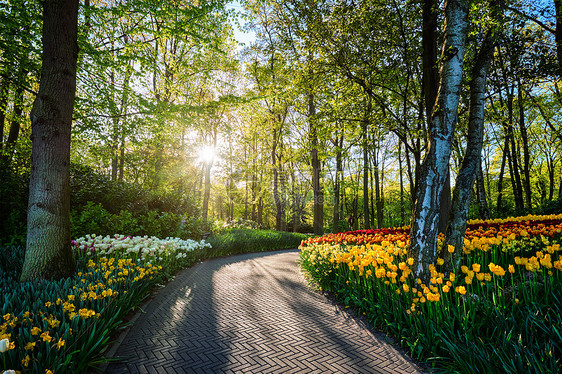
{"points": [[64, 326], [501, 312]]}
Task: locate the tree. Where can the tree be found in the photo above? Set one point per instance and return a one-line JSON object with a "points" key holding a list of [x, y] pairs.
{"points": [[425, 221], [48, 253], [471, 165]]}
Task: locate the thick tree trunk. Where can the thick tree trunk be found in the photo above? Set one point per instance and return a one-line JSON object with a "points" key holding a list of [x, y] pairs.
{"points": [[430, 89], [471, 164], [425, 221], [48, 254]]}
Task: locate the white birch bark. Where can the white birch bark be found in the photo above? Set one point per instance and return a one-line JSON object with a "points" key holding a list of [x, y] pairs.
{"points": [[425, 222]]}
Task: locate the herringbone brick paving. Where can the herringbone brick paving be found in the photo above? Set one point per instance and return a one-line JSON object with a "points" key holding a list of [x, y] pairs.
{"points": [[251, 314]]}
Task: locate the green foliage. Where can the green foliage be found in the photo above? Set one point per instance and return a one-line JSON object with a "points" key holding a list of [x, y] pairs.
{"points": [[115, 196], [13, 204], [95, 218], [235, 241], [99, 205], [551, 207]]}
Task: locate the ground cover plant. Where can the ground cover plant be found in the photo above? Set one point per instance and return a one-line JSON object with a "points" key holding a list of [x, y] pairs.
{"points": [[65, 326], [500, 313]]}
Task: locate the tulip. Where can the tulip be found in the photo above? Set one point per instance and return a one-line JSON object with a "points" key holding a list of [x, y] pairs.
{"points": [[4, 345]]}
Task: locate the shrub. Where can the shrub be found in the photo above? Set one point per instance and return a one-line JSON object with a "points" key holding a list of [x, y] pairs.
{"points": [[235, 241], [13, 204], [95, 218]]}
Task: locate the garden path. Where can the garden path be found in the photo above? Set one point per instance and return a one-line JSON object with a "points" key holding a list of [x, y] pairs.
{"points": [[251, 313]]}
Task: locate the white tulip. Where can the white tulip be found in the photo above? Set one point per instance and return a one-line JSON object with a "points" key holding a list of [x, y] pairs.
{"points": [[4, 345]]}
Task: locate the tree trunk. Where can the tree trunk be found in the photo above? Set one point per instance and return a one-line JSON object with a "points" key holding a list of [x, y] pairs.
{"points": [[429, 57], [339, 172], [276, 195], [372, 199], [551, 166], [4, 92], [525, 141], [48, 253], [121, 160], [378, 188], [512, 157], [15, 123], [318, 208], [481, 191], [207, 193], [445, 203], [558, 34], [471, 164], [380, 197], [295, 200], [402, 207], [367, 220], [425, 221], [499, 203]]}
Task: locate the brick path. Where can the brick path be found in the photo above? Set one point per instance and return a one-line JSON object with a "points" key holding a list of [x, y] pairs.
{"points": [[251, 314]]}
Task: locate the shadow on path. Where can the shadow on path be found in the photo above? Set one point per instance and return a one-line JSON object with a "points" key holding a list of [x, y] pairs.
{"points": [[251, 313]]}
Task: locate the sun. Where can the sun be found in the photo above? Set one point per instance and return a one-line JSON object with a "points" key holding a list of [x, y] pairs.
{"points": [[207, 154]]}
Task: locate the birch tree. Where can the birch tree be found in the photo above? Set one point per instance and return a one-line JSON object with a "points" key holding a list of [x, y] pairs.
{"points": [[471, 165], [425, 221]]}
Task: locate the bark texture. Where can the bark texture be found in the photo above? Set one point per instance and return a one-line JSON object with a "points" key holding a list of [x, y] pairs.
{"points": [[318, 211], [471, 164], [425, 222], [48, 254], [367, 219]]}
